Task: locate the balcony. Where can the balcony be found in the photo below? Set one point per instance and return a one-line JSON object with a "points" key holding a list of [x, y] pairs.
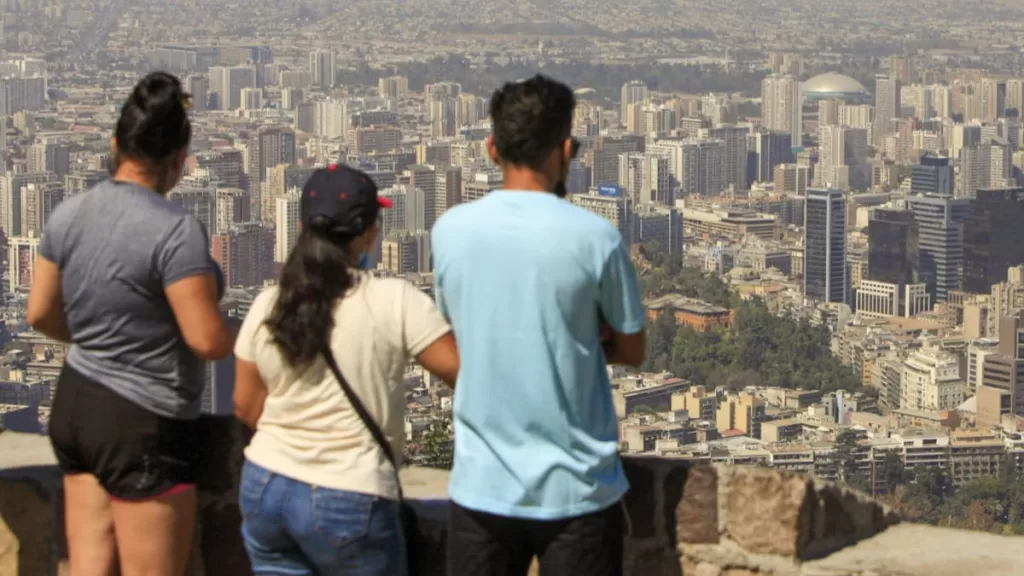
{"points": [[683, 520]]}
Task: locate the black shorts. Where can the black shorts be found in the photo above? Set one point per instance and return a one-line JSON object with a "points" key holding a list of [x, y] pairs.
{"points": [[135, 453], [589, 545]]}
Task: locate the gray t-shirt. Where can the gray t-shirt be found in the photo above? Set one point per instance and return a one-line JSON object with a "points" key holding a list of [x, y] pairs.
{"points": [[118, 246]]}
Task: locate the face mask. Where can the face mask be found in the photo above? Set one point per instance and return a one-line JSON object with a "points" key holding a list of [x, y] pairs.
{"points": [[364, 261]]}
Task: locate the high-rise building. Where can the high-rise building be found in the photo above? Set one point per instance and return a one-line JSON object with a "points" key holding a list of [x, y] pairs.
{"points": [[782, 106], [405, 252], [200, 202], [940, 242], [612, 205], [765, 151], [269, 147], [888, 107], [323, 67], [12, 196], [985, 166], [231, 206], [21, 259], [893, 247], [393, 87], [825, 245], [734, 167], [634, 91], [902, 68], [252, 98], [409, 211], [245, 254], [38, 200], [1015, 95], [892, 284], [790, 63], [224, 164], [933, 175], [227, 82], [791, 179], [661, 224], [198, 86], [286, 223], [993, 99], [645, 178], [49, 157], [440, 186], [843, 158], [993, 238]]}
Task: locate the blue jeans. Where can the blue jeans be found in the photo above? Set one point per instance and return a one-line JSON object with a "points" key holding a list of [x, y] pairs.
{"points": [[291, 528]]}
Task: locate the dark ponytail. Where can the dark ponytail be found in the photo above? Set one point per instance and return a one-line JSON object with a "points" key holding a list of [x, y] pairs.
{"points": [[315, 276], [154, 122]]}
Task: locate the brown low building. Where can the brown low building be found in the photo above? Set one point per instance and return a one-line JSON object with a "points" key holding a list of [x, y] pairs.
{"points": [[696, 314]]}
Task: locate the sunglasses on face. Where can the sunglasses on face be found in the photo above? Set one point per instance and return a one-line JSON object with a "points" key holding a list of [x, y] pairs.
{"points": [[576, 145]]}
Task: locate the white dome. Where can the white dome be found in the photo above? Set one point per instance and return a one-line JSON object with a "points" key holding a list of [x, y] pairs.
{"points": [[833, 83]]}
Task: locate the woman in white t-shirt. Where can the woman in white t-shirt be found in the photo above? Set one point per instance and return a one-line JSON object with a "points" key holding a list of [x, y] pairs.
{"points": [[318, 493]]}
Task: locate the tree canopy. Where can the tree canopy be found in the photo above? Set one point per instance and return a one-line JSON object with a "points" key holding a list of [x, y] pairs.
{"points": [[760, 349]]}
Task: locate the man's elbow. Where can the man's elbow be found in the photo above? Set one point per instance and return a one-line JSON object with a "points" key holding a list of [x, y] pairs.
{"points": [[630, 350], [632, 358]]}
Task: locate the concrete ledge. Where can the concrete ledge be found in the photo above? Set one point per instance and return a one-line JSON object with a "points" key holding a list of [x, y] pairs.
{"points": [[916, 550], [682, 520]]}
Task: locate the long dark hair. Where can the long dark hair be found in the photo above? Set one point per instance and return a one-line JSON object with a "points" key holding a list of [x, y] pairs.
{"points": [[154, 125], [315, 275]]}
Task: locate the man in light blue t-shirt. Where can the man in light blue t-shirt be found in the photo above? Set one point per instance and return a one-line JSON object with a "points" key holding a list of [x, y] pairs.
{"points": [[530, 283]]}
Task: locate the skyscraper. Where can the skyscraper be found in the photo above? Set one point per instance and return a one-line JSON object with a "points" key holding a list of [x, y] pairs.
{"points": [[893, 247], [734, 169], [825, 245], [892, 285], [271, 146], [766, 150], [940, 242], [993, 237], [323, 66], [887, 107], [782, 106], [632, 92], [933, 175], [286, 223], [843, 158]]}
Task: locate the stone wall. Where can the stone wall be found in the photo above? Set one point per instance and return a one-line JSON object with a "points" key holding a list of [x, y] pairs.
{"points": [[697, 521]]}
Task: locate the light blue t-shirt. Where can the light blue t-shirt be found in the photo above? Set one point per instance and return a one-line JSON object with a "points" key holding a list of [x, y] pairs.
{"points": [[521, 277]]}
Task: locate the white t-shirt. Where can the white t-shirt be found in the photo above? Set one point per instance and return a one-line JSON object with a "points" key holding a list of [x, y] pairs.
{"points": [[308, 430]]}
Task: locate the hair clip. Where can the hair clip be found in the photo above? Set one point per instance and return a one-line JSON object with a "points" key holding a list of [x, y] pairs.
{"points": [[186, 102]]}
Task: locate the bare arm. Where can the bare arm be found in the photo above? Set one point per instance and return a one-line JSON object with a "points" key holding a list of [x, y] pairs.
{"points": [[250, 393], [45, 302], [621, 312], [194, 302], [627, 349], [441, 358]]}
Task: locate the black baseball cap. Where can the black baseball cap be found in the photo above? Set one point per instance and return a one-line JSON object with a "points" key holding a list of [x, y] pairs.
{"points": [[343, 196]]}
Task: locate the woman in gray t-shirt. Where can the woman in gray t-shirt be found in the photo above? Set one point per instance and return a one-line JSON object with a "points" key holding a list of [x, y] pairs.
{"points": [[125, 276]]}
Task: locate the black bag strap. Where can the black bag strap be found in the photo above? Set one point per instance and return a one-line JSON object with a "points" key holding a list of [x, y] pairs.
{"points": [[368, 420]]}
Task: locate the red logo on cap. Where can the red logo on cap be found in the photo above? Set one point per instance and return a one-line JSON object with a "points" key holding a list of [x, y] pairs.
{"points": [[343, 196], [332, 167], [312, 193]]}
